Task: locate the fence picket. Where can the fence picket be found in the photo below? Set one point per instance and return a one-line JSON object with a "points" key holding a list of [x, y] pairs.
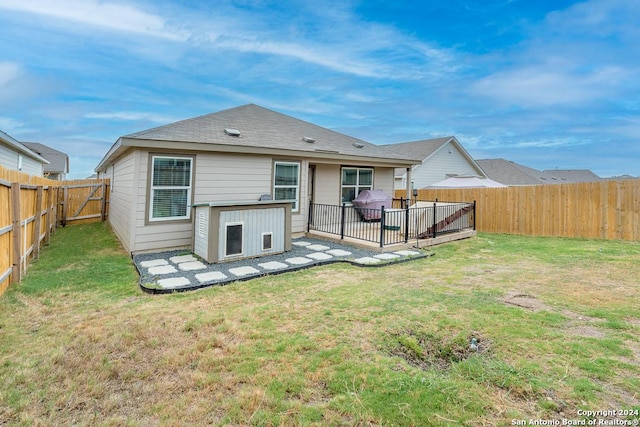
{"points": [[600, 210], [29, 212]]}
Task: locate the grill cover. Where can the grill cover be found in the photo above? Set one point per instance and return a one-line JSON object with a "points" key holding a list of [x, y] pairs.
{"points": [[370, 202]]}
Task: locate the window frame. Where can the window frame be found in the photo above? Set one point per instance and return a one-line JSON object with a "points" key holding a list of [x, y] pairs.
{"points": [[296, 205], [150, 219], [357, 186]]}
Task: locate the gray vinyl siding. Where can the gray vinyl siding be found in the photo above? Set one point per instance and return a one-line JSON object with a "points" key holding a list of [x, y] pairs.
{"points": [[327, 186], [9, 160], [160, 235], [121, 199], [383, 180]]}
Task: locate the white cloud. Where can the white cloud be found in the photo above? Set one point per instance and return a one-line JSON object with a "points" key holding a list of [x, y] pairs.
{"points": [[112, 16], [131, 116], [9, 71]]}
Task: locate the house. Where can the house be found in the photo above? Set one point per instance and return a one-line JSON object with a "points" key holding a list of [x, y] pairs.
{"points": [[234, 157], [16, 156], [58, 166], [441, 158]]}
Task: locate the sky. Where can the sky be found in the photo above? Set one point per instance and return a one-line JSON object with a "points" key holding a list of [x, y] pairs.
{"points": [[548, 83]]}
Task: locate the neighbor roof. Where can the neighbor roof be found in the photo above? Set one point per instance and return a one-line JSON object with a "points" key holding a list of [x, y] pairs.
{"points": [[511, 173], [58, 161], [260, 131], [573, 175]]}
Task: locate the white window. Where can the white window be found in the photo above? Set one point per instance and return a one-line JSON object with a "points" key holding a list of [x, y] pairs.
{"points": [[354, 180], [170, 190], [286, 182]]}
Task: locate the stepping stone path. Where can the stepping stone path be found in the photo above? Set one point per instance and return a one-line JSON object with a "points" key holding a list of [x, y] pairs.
{"points": [[203, 274]]}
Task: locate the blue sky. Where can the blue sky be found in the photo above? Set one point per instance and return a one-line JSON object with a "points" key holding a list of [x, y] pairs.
{"points": [[550, 84]]}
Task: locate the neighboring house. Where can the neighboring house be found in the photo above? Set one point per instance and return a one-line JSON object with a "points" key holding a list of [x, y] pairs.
{"points": [[441, 158], [16, 156], [512, 174], [573, 175], [235, 156], [58, 166]]}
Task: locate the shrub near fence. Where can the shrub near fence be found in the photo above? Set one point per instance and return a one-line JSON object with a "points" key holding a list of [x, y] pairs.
{"points": [[600, 210], [30, 209]]}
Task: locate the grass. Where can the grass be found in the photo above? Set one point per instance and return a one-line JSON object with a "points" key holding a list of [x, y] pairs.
{"points": [[333, 345]]}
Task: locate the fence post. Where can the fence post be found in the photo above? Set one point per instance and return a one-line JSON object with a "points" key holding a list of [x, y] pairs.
{"points": [[435, 218], [36, 223], [65, 203], [406, 223], [382, 214], [103, 203], [342, 221], [16, 271]]}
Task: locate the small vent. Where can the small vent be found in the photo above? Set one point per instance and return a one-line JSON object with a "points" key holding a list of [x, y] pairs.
{"points": [[232, 132], [308, 139], [358, 145]]}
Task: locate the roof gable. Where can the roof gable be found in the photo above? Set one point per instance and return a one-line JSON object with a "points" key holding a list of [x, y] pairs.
{"points": [[16, 145]]}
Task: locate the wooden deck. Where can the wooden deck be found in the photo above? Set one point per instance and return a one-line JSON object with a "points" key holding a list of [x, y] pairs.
{"points": [[394, 236]]}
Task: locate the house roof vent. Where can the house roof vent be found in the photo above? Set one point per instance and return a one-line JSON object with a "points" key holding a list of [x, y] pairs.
{"points": [[308, 139], [358, 145], [232, 132]]}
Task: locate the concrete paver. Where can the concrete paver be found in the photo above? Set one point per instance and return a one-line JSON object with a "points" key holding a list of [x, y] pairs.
{"points": [[319, 256], [210, 276], [318, 247], [162, 269], [173, 282], [273, 265], [386, 256], [182, 258], [299, 260], [338, 252], [154, 263], [192, 265], [367, 260], [243, 271]]}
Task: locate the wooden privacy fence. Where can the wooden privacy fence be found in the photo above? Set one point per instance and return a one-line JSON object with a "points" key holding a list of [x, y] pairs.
{"points": [[600, 210], [30, 210]]}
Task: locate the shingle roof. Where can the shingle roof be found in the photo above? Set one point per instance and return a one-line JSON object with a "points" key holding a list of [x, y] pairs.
{"points": [[573, 175], [58, 161], [511, 173], [263, 128], [419, 149]]}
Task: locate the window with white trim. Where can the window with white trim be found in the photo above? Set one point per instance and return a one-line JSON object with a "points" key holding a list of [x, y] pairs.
{"points": [[170, 189], [286, 182], [354, 180]]}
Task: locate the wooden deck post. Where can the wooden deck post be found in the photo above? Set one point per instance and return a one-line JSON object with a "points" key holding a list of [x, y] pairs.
{"points": [[16, 271]]}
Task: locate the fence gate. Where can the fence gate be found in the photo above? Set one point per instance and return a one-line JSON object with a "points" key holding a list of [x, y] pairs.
{"points": [[83, 202]]}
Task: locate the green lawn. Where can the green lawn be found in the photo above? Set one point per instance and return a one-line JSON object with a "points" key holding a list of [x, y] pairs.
{"points": [[556, 321]]}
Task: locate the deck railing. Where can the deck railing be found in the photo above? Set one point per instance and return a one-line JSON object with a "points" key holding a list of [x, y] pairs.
{"points": [[391, 225]]}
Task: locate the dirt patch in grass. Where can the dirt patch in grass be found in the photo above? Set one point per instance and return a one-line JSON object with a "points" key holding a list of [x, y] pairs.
{"points": [[428, 350], [526, 301]]}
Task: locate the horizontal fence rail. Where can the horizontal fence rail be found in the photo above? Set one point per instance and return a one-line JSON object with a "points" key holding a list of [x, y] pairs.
{"points": [[392, 225], [31, 208], [598, 210]]}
